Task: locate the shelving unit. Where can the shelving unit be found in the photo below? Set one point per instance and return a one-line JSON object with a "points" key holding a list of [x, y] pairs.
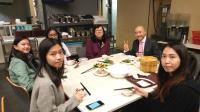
{"points": [[9, 30]]}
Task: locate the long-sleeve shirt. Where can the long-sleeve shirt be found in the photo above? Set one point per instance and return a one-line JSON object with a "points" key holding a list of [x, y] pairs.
{"points": [[94, 49], [46, 97]]}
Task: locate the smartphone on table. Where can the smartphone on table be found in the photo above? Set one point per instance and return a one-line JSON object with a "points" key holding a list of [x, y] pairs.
{"points": [[94, 105]]}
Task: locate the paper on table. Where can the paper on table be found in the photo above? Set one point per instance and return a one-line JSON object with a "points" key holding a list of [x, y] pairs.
{"points": [[143, 83], [144, 74]]}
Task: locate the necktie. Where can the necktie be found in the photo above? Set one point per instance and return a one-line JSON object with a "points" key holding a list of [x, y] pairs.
{"points": [[140, 50]]}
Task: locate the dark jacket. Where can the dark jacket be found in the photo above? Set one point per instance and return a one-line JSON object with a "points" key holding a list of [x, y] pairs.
{"points": [[183, 97], [150, 48]]}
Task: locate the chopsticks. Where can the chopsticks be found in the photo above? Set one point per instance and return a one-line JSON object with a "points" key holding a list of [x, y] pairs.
{"points": [[123, 88], [85, 89], [87, 70]]}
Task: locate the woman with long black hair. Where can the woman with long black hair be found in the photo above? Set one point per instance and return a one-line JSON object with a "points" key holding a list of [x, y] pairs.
{"points": [[48, 94]]}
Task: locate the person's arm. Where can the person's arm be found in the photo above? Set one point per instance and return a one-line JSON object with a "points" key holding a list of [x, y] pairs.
{"points": [[140, 91], [133, 49], [106, 48], [23, 74], [89, 49], [46, 101], [64, 46]]}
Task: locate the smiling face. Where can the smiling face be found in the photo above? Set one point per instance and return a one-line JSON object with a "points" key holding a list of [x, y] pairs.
{"points": [[170, 60], [140, 33], [99, 32], [23, 46], [55, 56], [53, 34]]}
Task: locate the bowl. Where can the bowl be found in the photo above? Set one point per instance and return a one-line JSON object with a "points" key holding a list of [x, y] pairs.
{"points": [[70, 62], [118, 70], [82, 59], [104, 57]]}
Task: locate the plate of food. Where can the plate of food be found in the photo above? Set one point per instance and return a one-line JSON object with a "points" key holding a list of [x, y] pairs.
{"points": [[101, 72], [126, 61], [106, 61], [100, 65]]}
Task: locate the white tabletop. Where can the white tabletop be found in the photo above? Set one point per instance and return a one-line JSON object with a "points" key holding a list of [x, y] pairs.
{"points": [[101, 88]]}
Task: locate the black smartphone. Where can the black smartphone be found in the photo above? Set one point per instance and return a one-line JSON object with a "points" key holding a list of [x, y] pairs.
{"points": [[94, 105]]}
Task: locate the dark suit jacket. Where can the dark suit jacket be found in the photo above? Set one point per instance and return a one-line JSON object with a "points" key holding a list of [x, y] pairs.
{"points": [[150, 48]]}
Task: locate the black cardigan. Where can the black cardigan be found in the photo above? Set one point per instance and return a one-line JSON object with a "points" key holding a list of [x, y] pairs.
{"points": [[184, 97]]}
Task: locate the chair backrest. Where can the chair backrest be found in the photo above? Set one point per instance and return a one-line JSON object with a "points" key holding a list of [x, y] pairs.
{"points": [[81, 51], [18, 100], [195, 66], [2, 104]]}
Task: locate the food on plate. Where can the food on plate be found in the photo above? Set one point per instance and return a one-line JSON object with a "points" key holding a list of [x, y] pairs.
{"points": [[127, 92], [126, 61], [108, 61], [101, 71], [100, 65]]}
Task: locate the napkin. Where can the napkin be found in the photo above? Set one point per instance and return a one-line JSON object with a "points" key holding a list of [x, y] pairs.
{"points": [[143, 83]]}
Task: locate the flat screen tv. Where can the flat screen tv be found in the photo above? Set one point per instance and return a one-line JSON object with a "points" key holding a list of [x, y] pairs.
{"points": [[57, 1]]}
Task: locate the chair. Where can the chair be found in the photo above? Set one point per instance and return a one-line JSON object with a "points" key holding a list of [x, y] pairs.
{"points": [[81, 51], [195, 66], [16, 98], [2, 104]]}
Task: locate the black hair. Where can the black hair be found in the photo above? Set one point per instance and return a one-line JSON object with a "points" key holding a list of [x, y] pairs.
{"points": [[94, 38], [53, 29], [166, 82], [28, 58], [55, 74]]}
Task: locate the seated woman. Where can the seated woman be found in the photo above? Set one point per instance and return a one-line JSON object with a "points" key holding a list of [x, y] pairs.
{"points": [[177, 91], [53, 33], [22, 65], [48, 94], [99, 44]]}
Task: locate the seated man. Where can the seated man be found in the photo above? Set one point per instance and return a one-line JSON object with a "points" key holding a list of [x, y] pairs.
{"points": [[142, 46]]}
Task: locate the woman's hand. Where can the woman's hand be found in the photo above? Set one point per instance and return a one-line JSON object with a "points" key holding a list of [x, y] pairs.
{"points": [[126, 47], [80, 94], [140, 91]]}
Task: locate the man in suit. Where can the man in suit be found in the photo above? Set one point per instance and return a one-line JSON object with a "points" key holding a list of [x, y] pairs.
{"points": [[142, 46]]}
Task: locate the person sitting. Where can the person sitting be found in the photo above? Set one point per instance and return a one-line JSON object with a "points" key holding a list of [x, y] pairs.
{"points": [[48, 94], [22, 65], [53, 33], [177, 91], [142, 46], [98, 44]]}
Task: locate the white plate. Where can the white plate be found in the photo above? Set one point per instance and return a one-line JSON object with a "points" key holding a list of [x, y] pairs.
{"points": [[101, 75]]}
